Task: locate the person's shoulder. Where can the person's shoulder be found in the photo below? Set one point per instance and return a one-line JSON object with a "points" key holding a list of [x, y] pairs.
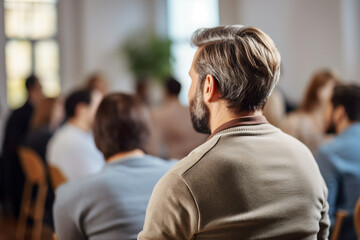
{"points": [[60, 131], [73, 197], [194, 157], [26, 107], [67, 193], [21, 114], [65, 136], [71, 188], [24, 112], [159, 162], [332, 150], [73, 191], [327, 147], [57, 139], [332, 147]]}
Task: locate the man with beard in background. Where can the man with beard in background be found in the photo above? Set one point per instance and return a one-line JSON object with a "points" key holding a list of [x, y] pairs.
{"points": [[339, 159], [249, 180]]}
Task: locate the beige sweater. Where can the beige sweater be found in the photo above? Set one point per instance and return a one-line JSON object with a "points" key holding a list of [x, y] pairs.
{"points": [[246, 182]]}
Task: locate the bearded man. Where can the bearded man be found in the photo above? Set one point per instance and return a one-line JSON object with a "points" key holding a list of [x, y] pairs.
{"points": [[249, 180], [339, 159]]}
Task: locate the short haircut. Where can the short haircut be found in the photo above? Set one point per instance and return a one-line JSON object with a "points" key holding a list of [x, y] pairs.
{"points": [[173, 87], [349, 97], [31, 82], [122, 123], [244, 62], [79, 96]]}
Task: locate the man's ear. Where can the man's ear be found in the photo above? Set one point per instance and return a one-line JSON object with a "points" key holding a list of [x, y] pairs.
{"points": [[339, 114], [210, 89]]}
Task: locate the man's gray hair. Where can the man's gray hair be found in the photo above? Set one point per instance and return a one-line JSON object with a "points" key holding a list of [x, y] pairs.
{"points": [[243, 60]]}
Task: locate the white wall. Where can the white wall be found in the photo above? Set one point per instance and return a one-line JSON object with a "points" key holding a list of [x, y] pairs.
{"points": [[351, 39], [69, 32], [309, 35], [92, 31]]}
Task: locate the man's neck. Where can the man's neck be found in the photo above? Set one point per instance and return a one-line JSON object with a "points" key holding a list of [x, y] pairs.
{"points": [[79, 124], [222, 117], [345, 124], [122, 155]]}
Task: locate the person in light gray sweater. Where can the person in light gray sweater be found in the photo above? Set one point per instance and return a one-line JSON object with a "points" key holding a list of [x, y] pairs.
{"points": [[112, 204]]}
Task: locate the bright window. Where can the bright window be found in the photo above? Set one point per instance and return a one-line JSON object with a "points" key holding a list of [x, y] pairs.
{"points": [[30, 29], [203, 13]]}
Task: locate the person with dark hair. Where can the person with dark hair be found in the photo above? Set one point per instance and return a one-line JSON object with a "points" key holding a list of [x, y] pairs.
{"points": [[46, 118], [172, 134], [112, 203], [173, 87], [16, 128], [339, 159], [72, 149], [249, 180]]}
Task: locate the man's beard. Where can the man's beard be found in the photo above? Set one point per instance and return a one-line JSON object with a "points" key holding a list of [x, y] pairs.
{"points": [[200, 114], [331, 129]]}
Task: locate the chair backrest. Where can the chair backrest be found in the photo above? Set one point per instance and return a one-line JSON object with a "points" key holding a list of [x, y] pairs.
{"points": [[57, 177], [32, 165], [54, 237], [340, 217], [357, 218]]}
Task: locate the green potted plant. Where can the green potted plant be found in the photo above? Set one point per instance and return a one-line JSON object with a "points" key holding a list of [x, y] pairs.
{"points": [[149, 57]]}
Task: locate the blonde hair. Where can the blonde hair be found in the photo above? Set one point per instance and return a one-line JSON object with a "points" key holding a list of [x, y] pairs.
{"points": [[243, 60]]}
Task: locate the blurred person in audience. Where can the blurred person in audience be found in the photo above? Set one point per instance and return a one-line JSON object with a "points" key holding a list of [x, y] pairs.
{"points": [[307, 123], [16, 128], [97, 81], [143, 89], [249, 180], [47, 117], [172, 134], [339, 159], [72, 148], [112, 203]]}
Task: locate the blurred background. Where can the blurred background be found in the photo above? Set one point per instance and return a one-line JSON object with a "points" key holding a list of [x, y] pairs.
{"points": [[64, 41], [136, 42]]}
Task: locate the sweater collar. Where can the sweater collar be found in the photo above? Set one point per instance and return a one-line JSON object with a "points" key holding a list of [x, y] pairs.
{"points": [[242, 121]]}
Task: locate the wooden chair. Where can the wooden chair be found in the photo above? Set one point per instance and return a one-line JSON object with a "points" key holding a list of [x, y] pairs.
{"points": [[357, 219], [56, 176], [340, 216], [35, 174], [54, 237]]}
